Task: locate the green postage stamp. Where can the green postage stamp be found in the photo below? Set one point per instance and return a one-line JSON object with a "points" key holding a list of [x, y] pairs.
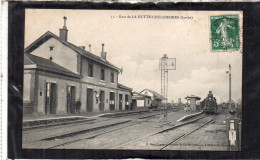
{"points": [[224, 32]]}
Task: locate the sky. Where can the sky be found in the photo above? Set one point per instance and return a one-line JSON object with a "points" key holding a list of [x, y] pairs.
{"points": [[137, 44]]}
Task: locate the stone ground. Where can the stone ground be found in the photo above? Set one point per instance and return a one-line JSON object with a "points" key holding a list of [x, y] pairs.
{"points": [[210, 137], [133, 133]]}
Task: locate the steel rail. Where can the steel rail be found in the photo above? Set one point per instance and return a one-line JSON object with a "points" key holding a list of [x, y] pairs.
{"points": [[85, 131], [184, 135], [165, 130]]}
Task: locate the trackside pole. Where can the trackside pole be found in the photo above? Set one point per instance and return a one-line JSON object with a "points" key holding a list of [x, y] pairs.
{"points": [[166, 64], [233, 127]]}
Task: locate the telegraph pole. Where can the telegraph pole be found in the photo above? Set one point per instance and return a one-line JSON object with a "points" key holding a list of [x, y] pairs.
{"points": [[232, 122], [230, 87], [232, 111]]}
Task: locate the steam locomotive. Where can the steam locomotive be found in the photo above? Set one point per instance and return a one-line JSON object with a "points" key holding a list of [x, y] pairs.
{"points": [[209, 104]]}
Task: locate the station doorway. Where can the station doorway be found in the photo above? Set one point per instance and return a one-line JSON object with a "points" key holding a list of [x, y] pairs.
{"points": [[89, 100], [126, 103], [120, 102], [112, 101], [51, 98], [71, 98], [102, 101]]}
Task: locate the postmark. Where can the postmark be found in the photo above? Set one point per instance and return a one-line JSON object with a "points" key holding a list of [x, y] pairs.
{"points": [[224, 32]]}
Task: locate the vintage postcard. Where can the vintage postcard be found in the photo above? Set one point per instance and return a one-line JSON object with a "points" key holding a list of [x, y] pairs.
{"points": [[132, 80]]}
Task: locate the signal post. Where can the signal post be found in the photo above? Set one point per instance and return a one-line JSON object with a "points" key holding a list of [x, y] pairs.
{"points": [[232, 122], [165, 65]]}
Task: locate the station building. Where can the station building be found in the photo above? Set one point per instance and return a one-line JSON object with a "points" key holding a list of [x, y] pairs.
{"points": [[58, 74]]}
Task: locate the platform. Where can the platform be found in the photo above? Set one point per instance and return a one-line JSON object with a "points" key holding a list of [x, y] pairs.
{"points": [[30, 120]]}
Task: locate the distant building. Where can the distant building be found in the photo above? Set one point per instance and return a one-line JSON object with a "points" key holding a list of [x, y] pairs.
{"points": [[141, 100], [156, 97], [58, 73]]}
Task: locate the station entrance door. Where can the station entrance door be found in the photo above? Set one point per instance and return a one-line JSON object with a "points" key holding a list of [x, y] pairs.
{"points": [[50, 98], [89, 100], [71, 98], [120, 102], [112, 101], [126, 103], [102, 101]]}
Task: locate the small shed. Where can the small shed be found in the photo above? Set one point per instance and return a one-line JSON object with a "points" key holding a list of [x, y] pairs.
{"points": [[192, 99], [141, 100], [156, 97]]}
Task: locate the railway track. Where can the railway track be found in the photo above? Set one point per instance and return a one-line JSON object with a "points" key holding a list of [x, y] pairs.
{"points": [[190, 132], [46, 126], [93, 135], [38, 128], [162, 131], [61, 125], [101, 130], [203, 121], [68, 139]]}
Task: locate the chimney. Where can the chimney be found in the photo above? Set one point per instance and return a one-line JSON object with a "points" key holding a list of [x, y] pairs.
{"points": [[103, 54], [64, 31]]}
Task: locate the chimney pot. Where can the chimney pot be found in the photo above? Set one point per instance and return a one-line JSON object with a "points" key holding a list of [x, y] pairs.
{"points": [[89, 47], [64, 31], [65, 18], [103, 54], [103, 47]]}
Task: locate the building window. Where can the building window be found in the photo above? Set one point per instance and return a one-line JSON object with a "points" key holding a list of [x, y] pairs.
{"points": [[112, 77], [102, 74], [90, 70], [51, 47]]}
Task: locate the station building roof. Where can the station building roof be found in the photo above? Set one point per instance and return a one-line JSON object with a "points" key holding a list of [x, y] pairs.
{"points": [[155, 94], [77, 49], [124, 87], [193, 96], [35, 62], [140, 96]]}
